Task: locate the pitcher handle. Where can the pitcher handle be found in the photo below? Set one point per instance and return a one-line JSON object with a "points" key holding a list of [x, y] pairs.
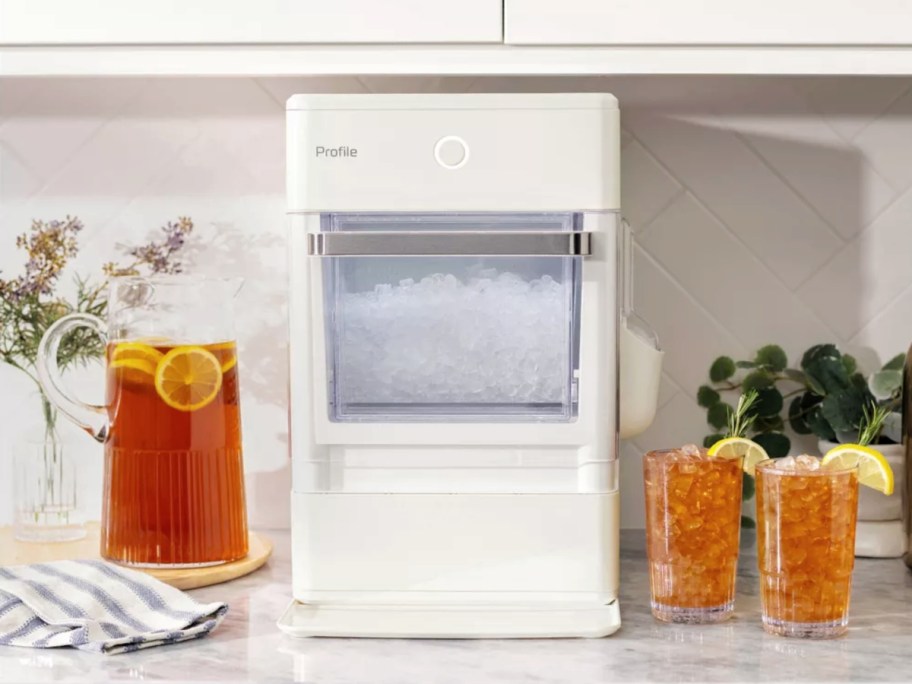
{"points": [[91, 418]]}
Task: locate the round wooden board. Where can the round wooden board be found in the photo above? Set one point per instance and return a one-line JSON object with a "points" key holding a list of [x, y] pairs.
{"points": [[14, 552]]}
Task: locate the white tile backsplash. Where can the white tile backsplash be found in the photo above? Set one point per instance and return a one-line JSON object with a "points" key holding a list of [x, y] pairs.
{"points": [[648, 187], [740, 188], [850, 104], [867, 274], [766, 209]]}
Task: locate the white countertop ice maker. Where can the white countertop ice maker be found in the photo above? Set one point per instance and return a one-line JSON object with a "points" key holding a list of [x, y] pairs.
{"points": [[463, 361]]}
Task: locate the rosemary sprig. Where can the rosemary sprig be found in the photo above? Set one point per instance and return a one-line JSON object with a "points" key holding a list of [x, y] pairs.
{"points": [[872, 423], [739, 422]]}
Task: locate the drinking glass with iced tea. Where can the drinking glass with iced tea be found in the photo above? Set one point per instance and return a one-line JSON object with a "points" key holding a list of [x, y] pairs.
{"points": [[806, 512], [173, 475], [693, 524]]}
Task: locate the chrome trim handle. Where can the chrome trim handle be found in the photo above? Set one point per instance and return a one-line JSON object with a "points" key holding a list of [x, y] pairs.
{"points": [[448, 243]]}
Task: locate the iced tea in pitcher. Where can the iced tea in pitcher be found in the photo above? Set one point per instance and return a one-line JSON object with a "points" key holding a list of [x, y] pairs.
{"points": [[174, 481], [174, 476]]}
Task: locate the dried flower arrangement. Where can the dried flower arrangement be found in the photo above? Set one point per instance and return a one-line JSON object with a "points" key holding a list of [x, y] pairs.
{"points": [[30, 303]]}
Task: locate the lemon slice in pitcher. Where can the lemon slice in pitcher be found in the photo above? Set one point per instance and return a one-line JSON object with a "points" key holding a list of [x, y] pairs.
{"points": [[134, 370], [873, 469], [226, 352], [735, 447], [125, 351], [188, 378]]}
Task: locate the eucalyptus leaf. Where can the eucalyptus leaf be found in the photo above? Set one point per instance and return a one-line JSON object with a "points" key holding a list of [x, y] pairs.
{"points": [[861, 382], [775, 443], [851, 365], [772, 356], [769, 402], [798, 412], [814, 386], [722, 369], [707, 397], [885, 383], [819, 425], [796, 375], [769, 424], [717, 416], [898, 362], [747, 488], [844, 410], [820, 351], [827, 373], [757, 380], [709, 440]]}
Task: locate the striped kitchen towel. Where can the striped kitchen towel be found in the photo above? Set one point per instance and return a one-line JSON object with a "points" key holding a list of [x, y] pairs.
{"points": [[97, 606]]}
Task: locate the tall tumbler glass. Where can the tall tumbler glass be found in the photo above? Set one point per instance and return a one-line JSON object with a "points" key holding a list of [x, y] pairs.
{"points": [[693, 524], [806, 548]]}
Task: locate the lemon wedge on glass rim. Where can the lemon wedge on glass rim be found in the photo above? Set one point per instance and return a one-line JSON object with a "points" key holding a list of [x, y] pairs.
{"points": [[873, 469], [736, 447]]}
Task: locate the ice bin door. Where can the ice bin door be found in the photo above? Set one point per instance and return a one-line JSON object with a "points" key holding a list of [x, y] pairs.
{"points": [[444, 318]]}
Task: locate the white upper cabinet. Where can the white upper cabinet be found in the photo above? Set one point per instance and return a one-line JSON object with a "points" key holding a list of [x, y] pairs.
{"points": [[708, 22], [174, 22]]}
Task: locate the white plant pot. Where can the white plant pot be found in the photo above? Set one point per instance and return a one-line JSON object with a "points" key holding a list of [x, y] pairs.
{"points": [[879, 533]]}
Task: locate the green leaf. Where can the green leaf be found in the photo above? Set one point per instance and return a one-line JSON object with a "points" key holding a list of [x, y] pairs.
{"points": [[748, 523], [747, 488], [819, 425], [709, 440], [796, 376], [769, 402], [772, 356], [844, 410], [775, 443], [898, 362], [827, 375], [757, 380], [883, 384], [820, 351], [707, 397], [718, 415], [860, 382], [722, 369], [745, 364], [769, 424], [851, 365], [798, 412]]}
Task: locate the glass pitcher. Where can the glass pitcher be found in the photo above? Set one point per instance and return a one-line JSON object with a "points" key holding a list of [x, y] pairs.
{"points": [[171, 426]]}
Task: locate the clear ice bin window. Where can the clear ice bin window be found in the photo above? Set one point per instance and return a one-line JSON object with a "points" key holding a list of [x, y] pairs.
{"points": [[452, 338]]}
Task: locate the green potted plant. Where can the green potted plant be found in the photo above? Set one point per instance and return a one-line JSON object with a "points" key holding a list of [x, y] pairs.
{"points": [[827, 396]]}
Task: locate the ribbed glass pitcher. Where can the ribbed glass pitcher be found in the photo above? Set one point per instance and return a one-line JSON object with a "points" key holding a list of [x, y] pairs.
{"points": [[171, 425]]}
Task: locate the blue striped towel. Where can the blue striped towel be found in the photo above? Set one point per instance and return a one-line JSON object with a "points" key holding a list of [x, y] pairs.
{"points": [[97, 606]]}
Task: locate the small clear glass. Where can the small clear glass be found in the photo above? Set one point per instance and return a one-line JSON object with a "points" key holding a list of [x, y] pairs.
{"points": [[693, 526], [46, 504], [806, 549]]}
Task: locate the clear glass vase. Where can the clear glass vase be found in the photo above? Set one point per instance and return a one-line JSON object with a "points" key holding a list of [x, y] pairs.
{"points": [[46, 504]]}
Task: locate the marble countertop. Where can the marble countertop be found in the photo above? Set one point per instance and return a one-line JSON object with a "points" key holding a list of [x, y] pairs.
{"points": [[249, 647]]}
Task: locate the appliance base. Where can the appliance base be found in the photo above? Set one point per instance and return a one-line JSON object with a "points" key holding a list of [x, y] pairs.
{"points": [[449, 622]]}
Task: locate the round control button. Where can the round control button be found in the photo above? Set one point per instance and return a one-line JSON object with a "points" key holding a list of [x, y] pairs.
{"points": [[451, 152]]}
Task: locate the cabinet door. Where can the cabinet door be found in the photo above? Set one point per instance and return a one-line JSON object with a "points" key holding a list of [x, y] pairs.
{"points": [[708, 22], [164, 22]]}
